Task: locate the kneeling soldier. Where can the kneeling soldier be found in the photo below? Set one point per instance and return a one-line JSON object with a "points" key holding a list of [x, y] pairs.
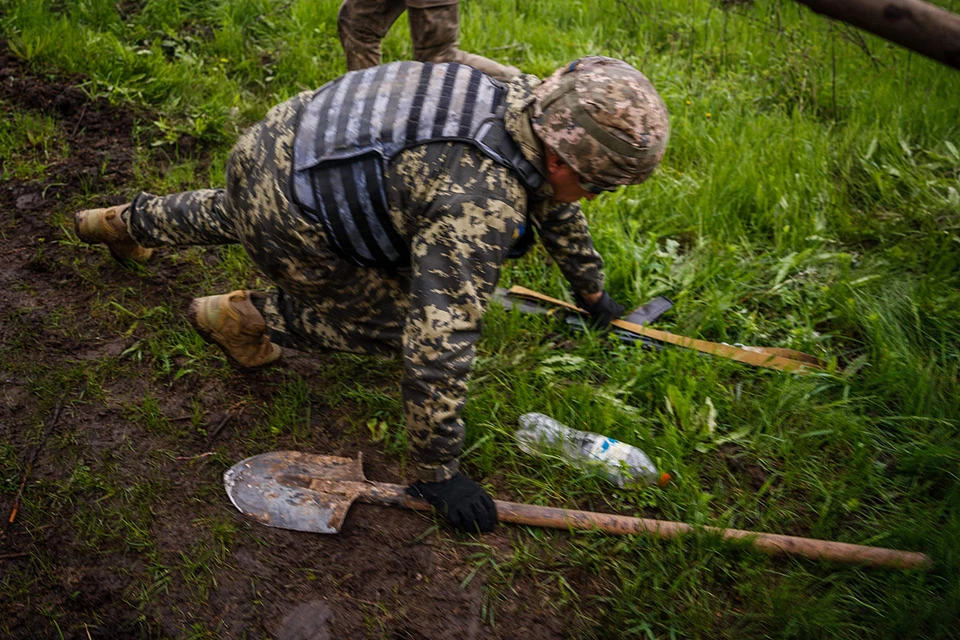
{"points": [[382, 207]]}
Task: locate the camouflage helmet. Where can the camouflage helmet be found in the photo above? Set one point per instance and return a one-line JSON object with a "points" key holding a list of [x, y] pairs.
{"points": [[604, 119]]}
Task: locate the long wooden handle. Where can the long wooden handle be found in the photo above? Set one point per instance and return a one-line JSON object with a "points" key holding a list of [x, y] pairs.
{"points": [[772, 543]]}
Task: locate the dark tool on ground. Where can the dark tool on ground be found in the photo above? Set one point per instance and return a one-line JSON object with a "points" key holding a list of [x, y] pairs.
{"points": [[307, 492], [644, 314]]}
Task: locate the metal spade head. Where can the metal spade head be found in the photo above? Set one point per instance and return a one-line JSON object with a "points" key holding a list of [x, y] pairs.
{"points": [[294, 490]]}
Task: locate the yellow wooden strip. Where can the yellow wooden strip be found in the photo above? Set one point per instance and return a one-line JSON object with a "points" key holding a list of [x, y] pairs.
{"points": [[779, 359]]}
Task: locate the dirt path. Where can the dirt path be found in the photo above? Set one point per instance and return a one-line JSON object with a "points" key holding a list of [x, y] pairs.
{"points": [[124, 530]]}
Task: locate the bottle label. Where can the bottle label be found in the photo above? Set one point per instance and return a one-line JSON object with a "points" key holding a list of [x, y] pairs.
{"points": [[610, 450]]}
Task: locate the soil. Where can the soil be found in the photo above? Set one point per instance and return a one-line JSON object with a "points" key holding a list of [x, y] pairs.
{"points": [[162, 552]]}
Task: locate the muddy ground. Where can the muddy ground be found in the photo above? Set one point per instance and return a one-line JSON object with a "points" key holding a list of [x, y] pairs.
{"points": [[124, 530]]}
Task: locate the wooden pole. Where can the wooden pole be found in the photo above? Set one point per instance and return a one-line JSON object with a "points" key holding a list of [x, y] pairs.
{"points": [[916, 25], [770, 543]]}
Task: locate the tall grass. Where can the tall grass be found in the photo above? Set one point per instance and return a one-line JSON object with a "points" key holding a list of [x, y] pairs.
{"points": [[809, 199]]}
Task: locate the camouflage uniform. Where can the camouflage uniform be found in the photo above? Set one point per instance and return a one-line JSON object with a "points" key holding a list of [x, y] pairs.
{"points": [[434, 29], [460, 212]]}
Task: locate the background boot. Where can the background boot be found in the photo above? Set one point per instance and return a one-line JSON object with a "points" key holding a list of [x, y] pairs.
{"points": [[231, 322], [105, 226]]}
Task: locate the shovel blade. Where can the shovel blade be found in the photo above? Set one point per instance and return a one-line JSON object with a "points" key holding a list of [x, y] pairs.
{"points": [[294, 490]]}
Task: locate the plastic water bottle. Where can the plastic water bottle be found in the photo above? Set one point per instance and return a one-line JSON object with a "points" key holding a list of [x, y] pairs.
{"points": [[620, 463]]}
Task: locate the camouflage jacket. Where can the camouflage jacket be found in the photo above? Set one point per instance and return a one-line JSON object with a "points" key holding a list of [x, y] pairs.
{"points": [[462, 212]]}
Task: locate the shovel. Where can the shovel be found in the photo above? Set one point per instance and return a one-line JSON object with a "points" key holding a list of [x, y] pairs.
{"points": [[306, 492]]}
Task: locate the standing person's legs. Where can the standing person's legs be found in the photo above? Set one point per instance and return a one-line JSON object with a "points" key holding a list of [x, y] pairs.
{"points": [[436, 38], [361, 25]]}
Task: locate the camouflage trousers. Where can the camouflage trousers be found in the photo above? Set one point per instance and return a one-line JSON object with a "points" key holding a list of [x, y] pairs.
{"points": [[322, 301], [434, 29], [351, 308]]}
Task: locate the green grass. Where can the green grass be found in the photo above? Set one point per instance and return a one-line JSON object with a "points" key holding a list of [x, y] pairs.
{"points": [[28, 143], [809, 199]]}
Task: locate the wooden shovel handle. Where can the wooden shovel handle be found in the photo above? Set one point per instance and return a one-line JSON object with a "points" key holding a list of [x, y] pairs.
{"points": [[772, 543]]}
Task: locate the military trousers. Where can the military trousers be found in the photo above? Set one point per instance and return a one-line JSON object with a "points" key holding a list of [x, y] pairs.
{"points": [[322, 301], [434, 29]]}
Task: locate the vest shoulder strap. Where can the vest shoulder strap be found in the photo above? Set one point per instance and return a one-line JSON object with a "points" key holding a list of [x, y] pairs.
{"points": [[352, 127]]}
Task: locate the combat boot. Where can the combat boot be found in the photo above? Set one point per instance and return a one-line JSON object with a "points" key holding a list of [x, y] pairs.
{"points": [[231, 322], [105, 226]]}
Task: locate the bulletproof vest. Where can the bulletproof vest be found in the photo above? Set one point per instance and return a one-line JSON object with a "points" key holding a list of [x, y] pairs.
{"points": [[352, 127]]}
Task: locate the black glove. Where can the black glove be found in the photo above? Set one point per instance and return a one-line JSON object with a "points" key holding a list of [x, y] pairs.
{"points": [[603, 312], [465, 504]]}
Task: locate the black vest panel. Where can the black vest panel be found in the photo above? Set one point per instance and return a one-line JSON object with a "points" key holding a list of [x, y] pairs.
{"points": [[352, 127]]}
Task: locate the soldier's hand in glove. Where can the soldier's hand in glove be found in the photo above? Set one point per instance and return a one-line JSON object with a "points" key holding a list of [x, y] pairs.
{"points": [[602, 312], [462, 501]]}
